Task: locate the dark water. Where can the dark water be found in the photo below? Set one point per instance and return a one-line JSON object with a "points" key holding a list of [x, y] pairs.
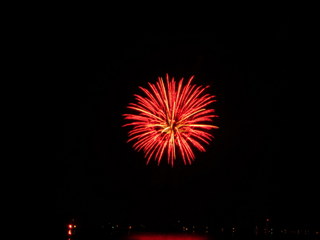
{"points": [[96, 234], [193, 236], [163, 236]]}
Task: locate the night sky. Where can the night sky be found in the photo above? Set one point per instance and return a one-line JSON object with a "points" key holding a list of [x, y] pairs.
{"points": [[254, 168]]}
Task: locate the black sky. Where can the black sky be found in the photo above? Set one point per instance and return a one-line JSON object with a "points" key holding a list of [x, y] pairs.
{"points": [[249, 171]]}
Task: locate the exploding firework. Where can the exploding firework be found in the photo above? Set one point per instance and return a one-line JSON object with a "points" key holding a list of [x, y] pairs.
{"points": [[171, 119]]}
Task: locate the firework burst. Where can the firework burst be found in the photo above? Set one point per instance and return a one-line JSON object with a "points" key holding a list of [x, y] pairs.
{"points": [[171, 119]]}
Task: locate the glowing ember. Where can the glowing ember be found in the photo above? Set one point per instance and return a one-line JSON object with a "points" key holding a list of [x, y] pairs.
{"points": [[171, 117]]}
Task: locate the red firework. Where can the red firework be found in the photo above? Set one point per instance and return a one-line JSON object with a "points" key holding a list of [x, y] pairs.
{"points": [[171, 118]]}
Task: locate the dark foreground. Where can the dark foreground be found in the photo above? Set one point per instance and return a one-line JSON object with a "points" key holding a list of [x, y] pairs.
{"points": [[188, 236], [184, 236], [266, 230]]}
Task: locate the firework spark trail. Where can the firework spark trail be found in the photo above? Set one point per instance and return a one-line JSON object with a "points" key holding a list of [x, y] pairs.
{"points": [[170, 118]]}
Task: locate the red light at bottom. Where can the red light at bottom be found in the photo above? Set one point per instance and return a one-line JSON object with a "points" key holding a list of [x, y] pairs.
{"points": [[69, 233], [168, 237]]}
